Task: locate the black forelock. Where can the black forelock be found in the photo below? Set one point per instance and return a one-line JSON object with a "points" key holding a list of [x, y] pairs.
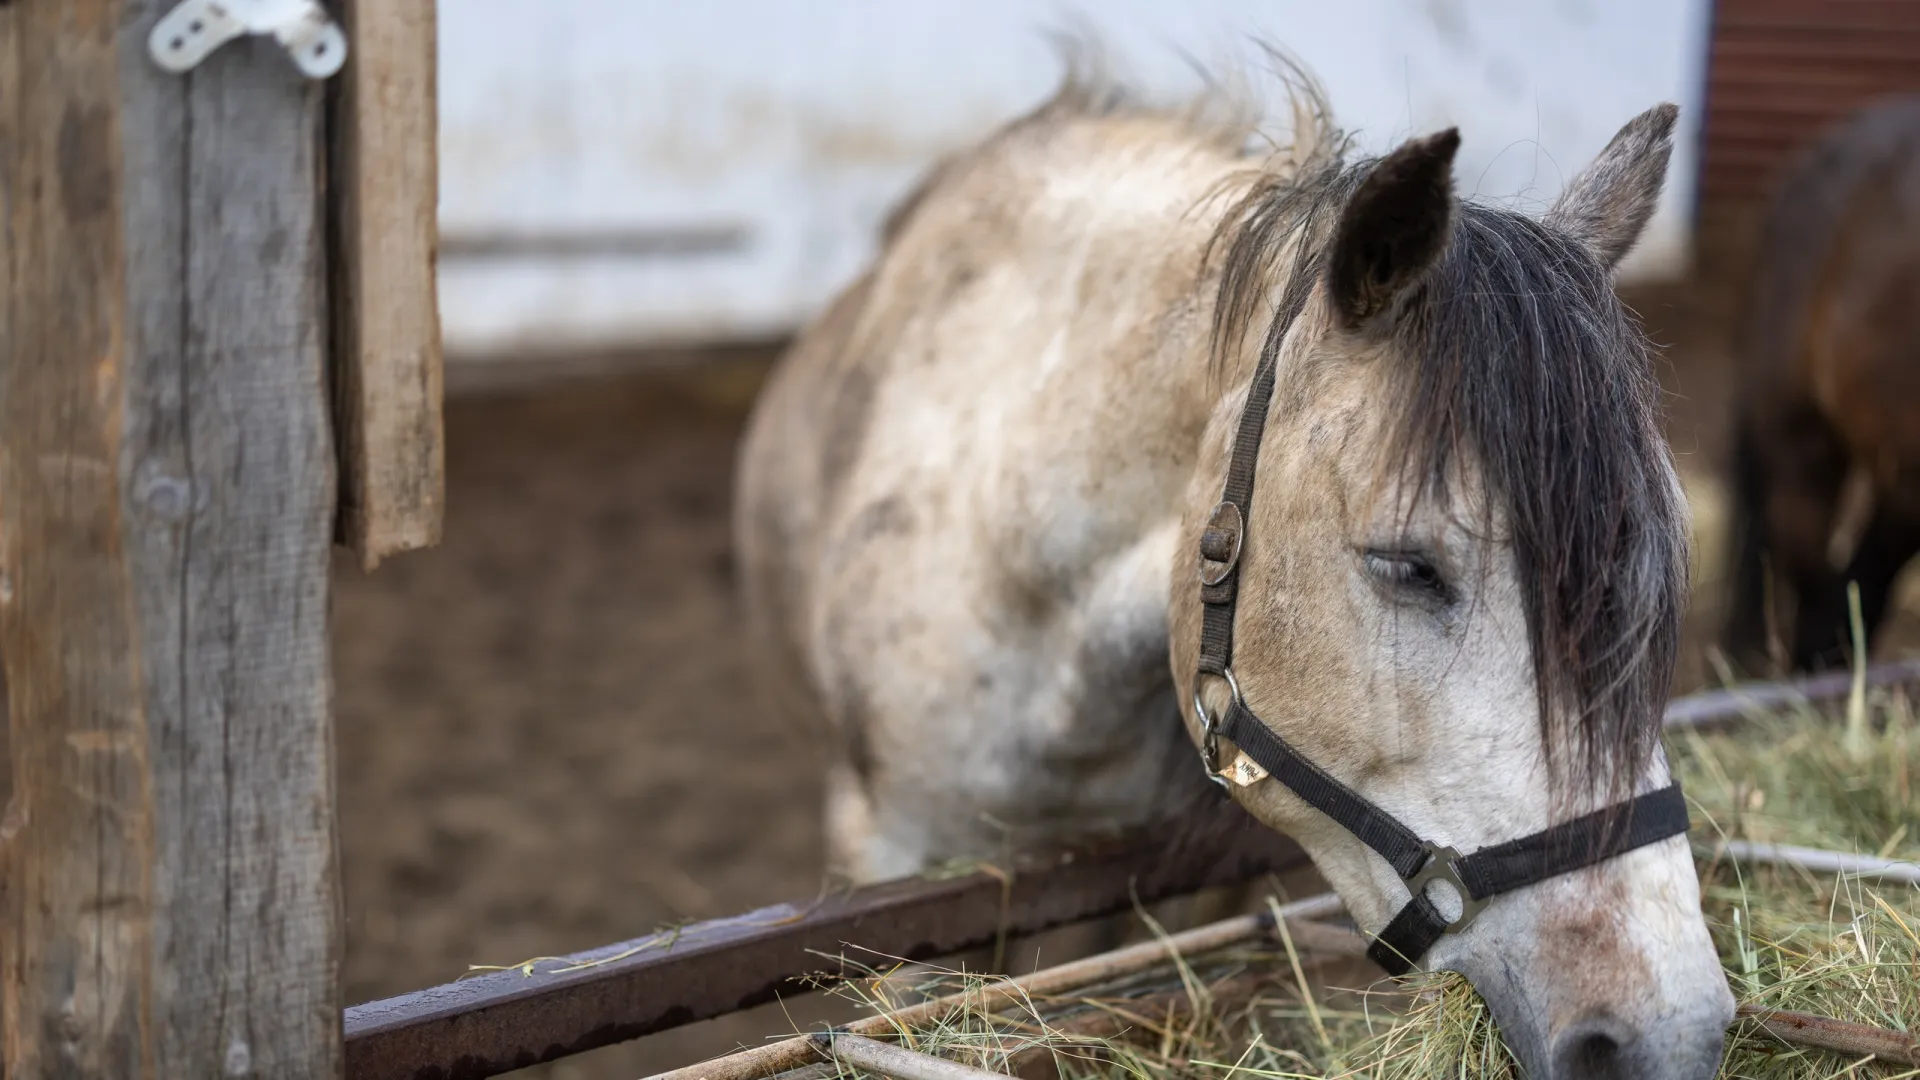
{"points": [[1517, 354]]}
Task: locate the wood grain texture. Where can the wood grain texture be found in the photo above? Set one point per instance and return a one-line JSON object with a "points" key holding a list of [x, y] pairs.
{"points": [[77, 964], [166, 508], [9, 122], [388, 380], [9, 97]]}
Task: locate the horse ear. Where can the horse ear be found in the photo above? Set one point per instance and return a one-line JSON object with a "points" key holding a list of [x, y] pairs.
{"points": [[1608, 203], [1393, 228]]}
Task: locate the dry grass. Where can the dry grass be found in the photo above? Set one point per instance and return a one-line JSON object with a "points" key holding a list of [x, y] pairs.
{"points": [[1835, 945]]}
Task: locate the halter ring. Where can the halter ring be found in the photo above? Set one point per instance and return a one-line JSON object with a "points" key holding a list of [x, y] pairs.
{"points": [[1209, 730], [1443, 865]]}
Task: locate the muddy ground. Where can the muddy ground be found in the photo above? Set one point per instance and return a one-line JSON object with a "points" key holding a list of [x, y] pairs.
{"points": [[548, 733]]}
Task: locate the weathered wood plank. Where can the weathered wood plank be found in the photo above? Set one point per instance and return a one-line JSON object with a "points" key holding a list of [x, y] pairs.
{"points": [[77, 961], [9, 153], [388, 377], [166, 506], [9, 105], [256, 698]]}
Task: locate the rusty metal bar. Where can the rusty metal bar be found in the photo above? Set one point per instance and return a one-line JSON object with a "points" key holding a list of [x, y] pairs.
{"points": [[495, 1023], [1840, 1036], [1719, 708]]}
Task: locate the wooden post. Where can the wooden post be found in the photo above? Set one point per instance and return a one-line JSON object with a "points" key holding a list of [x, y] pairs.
{"points": [[166, 508], [388, 375]]}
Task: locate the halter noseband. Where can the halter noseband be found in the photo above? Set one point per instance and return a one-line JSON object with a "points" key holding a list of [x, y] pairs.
{"points": [[1478, 877]]}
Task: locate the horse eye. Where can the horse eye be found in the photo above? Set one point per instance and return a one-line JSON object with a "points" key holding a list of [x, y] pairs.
{"points": [[1409, 570]]}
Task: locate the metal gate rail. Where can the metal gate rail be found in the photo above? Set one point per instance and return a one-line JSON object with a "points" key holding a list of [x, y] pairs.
{"points": [[494, 1023]]}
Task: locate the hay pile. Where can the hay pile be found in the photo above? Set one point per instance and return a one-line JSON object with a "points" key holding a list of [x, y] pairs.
{"points": [[1836, 945]]}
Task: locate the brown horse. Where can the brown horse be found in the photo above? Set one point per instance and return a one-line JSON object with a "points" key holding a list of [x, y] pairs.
{"points": [[1827, 394], [972, 503]]}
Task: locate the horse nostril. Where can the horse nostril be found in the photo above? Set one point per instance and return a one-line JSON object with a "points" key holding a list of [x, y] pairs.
{"points": [[1594, 1050], [1593, 1055]]}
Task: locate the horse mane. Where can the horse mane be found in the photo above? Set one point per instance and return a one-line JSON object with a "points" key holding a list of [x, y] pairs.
{"points": [[1518, 360], [1806, 214], [1225, 113]]}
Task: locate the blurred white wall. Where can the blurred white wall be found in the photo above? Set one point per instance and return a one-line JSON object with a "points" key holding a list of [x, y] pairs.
{"points": [[624, 173]]}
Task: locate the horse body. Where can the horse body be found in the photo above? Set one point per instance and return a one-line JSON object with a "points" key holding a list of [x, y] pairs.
{"points": [[971, 498], [974, 553], [1829, 391]]}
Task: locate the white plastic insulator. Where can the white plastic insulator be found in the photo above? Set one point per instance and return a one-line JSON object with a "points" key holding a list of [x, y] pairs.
{"points": [[191, 31]]}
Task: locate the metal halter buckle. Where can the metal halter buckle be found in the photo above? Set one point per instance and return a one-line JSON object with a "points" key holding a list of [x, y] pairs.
{"points": [[1209, 727], [1443, 865]]}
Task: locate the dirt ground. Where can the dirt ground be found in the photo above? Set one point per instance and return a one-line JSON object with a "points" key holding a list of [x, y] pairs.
{"points": [[548, 733]]}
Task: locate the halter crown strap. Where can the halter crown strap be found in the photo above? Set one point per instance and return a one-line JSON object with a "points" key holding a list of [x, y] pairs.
{"points": [[1478, 877]]}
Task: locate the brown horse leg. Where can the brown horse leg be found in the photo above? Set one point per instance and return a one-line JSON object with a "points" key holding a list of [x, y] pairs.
{"points": [[1824, 636], [1789, 470], [1745, 635]]}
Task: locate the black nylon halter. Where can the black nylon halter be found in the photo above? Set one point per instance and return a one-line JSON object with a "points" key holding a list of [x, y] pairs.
{"points": [[1478, 877]]}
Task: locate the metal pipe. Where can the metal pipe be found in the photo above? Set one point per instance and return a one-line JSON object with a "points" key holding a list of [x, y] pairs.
{"points": [[1720, 708], [895, 1061], [1816, 860]]}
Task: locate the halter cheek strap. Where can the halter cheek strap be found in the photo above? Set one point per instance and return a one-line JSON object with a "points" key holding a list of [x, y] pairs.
{"points": [[1478, 877]]}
